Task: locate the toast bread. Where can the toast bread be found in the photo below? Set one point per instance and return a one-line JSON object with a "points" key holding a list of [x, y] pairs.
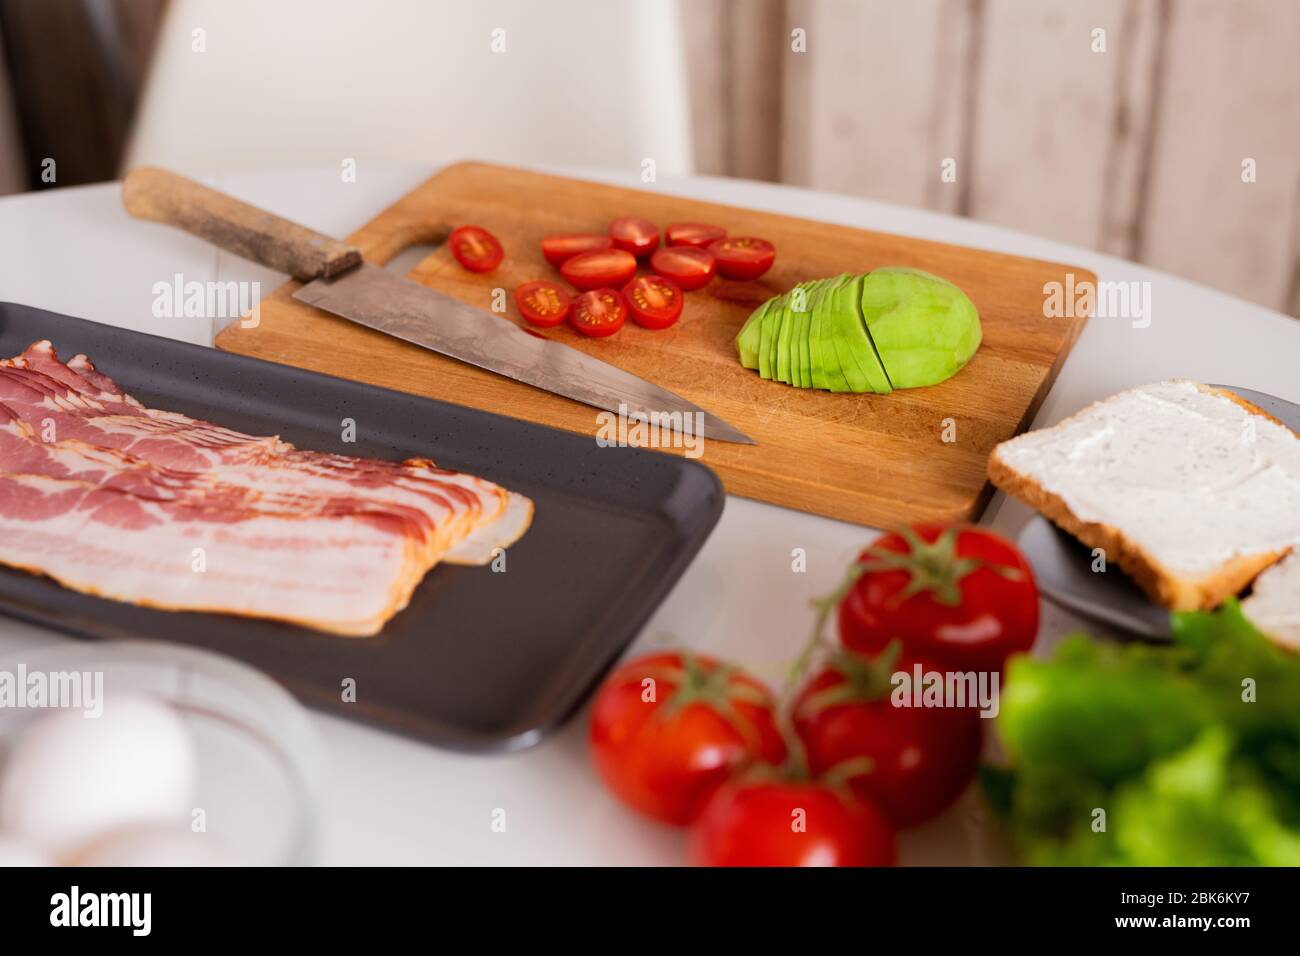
{"points": [[1168, 587]]}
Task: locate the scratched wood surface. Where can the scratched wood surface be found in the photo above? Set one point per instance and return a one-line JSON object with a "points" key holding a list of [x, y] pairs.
{"points": [[872, 459]]}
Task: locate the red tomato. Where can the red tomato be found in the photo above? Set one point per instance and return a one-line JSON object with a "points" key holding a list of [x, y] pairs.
{"points": [[697, 234], [543, 304], [637, 236], [958, 595], [743, 257], [558, 248], [599, 313], [668, 729], [789, 823], [475, 248], [655, 302], [595, 270], [689, 267], [915, 761]]}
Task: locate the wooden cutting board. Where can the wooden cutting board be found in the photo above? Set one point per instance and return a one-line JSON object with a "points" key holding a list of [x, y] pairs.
{"points": [[871, 459]]}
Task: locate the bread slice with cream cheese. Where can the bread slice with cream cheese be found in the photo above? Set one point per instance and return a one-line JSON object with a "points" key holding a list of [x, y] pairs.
{"points": [[1190, 489], [1274, 602]]}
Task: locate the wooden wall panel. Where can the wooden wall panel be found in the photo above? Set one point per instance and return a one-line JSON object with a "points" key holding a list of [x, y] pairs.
{"points": [[736, 51], [1045, 116], [1135, 151], [1139, 48], [868, 91], [1230, 90]]}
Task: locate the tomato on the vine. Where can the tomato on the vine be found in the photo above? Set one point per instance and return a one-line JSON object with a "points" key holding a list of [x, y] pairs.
{"points": [[782, 821], [668, 729], [958, 595], [911, 762]]}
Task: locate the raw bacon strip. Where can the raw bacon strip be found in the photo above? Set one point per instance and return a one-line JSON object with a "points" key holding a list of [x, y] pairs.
{"points": [[111, 469], [345, 575], [159, 479], [85, 405]]}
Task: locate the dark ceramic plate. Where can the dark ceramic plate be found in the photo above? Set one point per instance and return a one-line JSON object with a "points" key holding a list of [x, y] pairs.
{"points": [[1063, 566], [479, 660]]}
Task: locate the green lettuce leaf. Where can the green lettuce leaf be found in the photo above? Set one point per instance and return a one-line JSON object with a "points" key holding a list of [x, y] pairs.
{"points": [[1142, 755]]}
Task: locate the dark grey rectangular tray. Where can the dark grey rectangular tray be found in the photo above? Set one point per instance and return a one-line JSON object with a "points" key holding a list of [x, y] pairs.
{"points": [[480, 659]]}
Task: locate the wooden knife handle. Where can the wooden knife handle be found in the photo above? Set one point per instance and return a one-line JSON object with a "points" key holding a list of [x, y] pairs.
{"points": [[251, 233]]}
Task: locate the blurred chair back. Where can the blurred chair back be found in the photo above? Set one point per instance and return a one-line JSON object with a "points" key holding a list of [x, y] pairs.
{"points": [[241, 84]]}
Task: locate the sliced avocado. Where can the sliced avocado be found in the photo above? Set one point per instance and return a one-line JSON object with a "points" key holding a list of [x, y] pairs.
{"points": [[766, 325], [823, 325], [924, 327], [747, 340], [821, 361], [800, 361], [818, 360], [788, 346], [858, 359], [772, 326], [783, 344]]}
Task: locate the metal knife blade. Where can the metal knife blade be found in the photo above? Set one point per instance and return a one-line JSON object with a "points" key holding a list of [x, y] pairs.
{"points": [[378, 299]]}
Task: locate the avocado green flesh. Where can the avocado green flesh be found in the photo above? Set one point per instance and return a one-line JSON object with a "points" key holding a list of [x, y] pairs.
{"points": [[858, 359], [831, 371], [774, 329], [784, 337], [748, 339], [794, 313], [765, 337], [774, 346], [801, 359], [924, 327], [773, 324], [892, 328], [804, 359]]}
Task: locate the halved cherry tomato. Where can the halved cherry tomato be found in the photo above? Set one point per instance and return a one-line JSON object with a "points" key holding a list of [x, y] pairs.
{"points": [[697, 234], [956, 594], [689, 267], [743, 257], [567, 245], [655, 302], [596, 270], [542, 303], [475, 248], [637, 236], [667, 730], [599, 313], [765, 821]]}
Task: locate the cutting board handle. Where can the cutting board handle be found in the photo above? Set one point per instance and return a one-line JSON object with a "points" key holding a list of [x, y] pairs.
{"points": [[251, 233]]}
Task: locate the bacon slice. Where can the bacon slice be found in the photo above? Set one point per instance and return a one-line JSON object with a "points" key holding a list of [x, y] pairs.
{"points": [[65, 427], [343, 574]]}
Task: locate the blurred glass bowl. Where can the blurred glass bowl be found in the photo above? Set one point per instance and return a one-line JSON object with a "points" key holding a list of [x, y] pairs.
{"points": [[260, 760]]}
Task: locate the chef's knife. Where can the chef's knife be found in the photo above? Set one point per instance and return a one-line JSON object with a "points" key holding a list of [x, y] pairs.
{"points": [[340, 283]]}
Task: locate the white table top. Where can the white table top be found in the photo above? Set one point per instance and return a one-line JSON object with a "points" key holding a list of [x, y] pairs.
{"points": [[395, 801]]}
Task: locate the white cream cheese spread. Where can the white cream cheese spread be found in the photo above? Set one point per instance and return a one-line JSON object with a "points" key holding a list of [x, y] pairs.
{"points": [[1189, 476], [1274, 604]]}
